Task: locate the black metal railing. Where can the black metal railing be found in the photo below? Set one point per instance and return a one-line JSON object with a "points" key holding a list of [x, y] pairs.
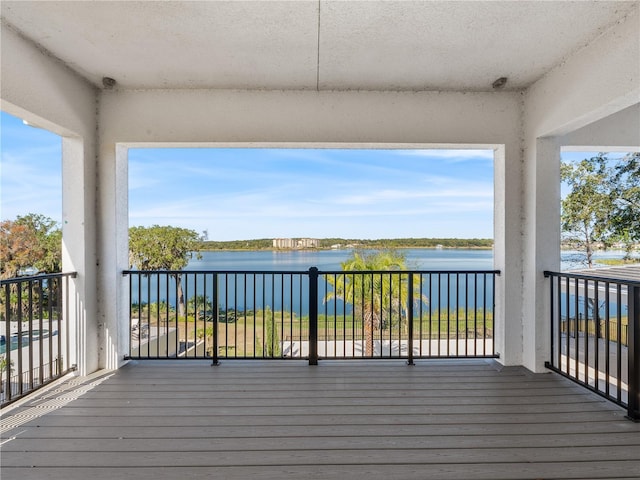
{"points": [[311, 314], [35, 342], [595, 335]]}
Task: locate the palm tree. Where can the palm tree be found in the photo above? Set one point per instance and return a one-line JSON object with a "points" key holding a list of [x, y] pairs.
{"points": [[375, 295]]}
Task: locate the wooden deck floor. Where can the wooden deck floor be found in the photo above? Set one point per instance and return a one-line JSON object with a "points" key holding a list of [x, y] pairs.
{"points": [[284, 420]]}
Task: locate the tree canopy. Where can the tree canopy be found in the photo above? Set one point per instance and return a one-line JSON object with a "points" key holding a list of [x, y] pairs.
{"points": [[625, 193], [375, 297], [603, 205], [32, 240], [161, 247]]}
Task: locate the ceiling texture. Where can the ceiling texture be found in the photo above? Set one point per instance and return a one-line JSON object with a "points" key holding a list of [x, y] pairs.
{"points": [[313, 45]]}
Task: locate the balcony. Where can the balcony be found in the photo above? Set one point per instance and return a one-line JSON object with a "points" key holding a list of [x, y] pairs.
{"points": [[109, 76], [441, 407]]}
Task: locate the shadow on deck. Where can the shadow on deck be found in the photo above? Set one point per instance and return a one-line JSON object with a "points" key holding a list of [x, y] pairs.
{"points": [[339, 420]]}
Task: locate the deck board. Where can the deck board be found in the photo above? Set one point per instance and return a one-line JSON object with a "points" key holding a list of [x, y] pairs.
{"points": [[339, 420]]}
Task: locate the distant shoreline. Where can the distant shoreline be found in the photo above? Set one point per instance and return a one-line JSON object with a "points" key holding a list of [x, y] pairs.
{"points": [[351, 244]]}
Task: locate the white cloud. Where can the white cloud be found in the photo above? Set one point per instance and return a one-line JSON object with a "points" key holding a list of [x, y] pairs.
{"points": [[453, 156]]}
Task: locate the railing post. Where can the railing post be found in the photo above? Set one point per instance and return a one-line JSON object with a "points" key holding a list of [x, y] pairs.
{"points": [[410, 319], [313, 316], [633, 337]]}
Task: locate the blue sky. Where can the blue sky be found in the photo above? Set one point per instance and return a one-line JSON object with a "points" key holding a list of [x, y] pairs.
{"points": [[265, 193], [30, 170]]}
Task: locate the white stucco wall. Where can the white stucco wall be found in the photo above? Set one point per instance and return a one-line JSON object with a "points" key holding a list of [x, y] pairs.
{"points": [[287, 118], [41, 90], [596, 82]]}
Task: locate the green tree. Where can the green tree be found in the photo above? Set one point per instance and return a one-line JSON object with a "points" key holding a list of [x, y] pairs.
{"points": [[587, 208], [625, 196], [163, 248], [374, 296], [32, 240]]}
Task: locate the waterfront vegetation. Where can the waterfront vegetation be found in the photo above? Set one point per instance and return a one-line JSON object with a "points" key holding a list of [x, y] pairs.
{"points": [[327, 243]]}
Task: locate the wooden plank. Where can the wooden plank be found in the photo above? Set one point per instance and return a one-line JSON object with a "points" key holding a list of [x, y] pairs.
{"points": [[481, 471], [211, 408], [423, 456], [50, 429], [180, 441]]}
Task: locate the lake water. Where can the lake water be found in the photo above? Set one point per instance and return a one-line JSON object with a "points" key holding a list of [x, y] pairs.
{"points": [[329, 260], [291, 291]]}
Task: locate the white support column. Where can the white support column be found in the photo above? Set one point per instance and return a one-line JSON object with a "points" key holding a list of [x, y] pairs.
{"points": [[507, 254], [78, 236], [112, 227], [541, 247]]}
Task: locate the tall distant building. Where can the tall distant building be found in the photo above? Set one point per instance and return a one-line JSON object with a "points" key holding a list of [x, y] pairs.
{"points": [[296, 243], [308, 243], [283, 243]]}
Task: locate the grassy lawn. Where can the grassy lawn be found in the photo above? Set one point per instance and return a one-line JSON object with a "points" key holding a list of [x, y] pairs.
{"points": [[248, 335]]}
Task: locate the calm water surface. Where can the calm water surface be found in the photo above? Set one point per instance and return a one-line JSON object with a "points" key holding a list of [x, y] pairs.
{"points": [[329, 260]]}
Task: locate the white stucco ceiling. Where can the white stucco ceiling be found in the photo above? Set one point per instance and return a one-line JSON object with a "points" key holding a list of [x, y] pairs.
{"points": [[326, 45]]}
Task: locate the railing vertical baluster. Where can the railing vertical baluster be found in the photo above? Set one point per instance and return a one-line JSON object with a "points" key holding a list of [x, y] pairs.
{"points": [[6, 373], [177, 312], [466, 314], [291, 315], [255, 314], [484, 314], [214, 311], [30, 350], [448, 293], [245, 304], [607, 338], [19, 311], [576, 293], [439, 311], [567, 287], [633, 340], [558, 297], [264, 301], [167, 314], [420, 308], [619, 343], [300, 306], [50, 289], [158, 303], [272, 320], [493, 313], [551, 322], [476, 309], [410, 319], [313, 316], [457, 314], [586, 332], [130, 278], [326, 312], [596, 326]]}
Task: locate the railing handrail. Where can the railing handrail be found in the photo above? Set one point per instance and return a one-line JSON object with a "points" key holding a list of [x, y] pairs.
{"points": [[40, 276], [593, 278], [320, 272]]}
